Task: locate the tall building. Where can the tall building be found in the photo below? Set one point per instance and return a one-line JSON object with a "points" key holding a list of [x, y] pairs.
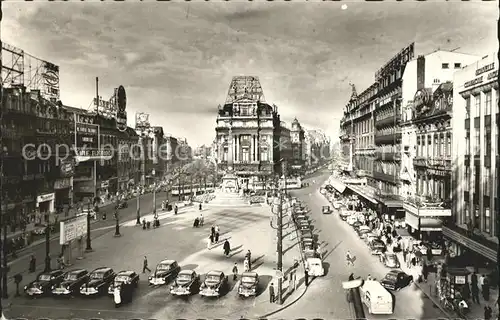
{"points": [[128, 160], [285, 147], [297, 133], [248, 133], [474, 224], [317, 148]]}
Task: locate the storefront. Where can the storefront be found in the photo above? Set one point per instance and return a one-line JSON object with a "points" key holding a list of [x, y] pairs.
{"points": [[366, 195], [425, 223], [461, 244], [46, 203], [63, 192]]}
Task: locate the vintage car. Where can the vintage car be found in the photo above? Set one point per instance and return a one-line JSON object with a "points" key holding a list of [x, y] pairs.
{"points": [[186, 283], [164, 272], [249, 284], [377, 247], [98, 282], [315, 266], [122, 204], [390, 260], [124, 277], [370, 237], [301, 218], [214, 284], [396, 279], [356, 225], [71, 282], [352, 219], [43, 283], [326, 210], [363, 231], [304, 226], [307, 244], [344, 214]]}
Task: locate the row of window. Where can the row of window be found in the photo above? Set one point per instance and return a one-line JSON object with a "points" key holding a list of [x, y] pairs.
{"points": [[485, 183], [364, 142], [476, 148], [245, 155], [481, 109], [430, 146], [433, 188], [390, 130], [387, 167], [456, 65], [363, 126], [483, 224]]}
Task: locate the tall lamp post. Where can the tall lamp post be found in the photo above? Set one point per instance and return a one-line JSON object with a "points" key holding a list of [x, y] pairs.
{"points": [[138, 213], [117, 225], [47, 243], [89, 241], [279, 207], [153, 173]]}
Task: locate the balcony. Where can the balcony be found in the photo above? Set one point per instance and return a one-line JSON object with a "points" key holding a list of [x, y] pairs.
{"points": [[388, 120], [420, 162], [428, 203], [388, 138], [391, 178], [388, 156], [443, 164]]}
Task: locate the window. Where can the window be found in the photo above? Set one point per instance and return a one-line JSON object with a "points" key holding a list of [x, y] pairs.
{"points": [[245, 155], [442, 147], [487, 142], [458, 65], [467, 143], [448, 146], [486, 219], [473, 178], [225, 157], [436, 81], [467, 108], [264, 156], [477, 105], [445, 65], [487, 103], [486, 182], [476, 142]]}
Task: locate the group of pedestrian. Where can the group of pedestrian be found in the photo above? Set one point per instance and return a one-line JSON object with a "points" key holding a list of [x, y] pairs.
{"points": [[482, 284], [214, 236]]}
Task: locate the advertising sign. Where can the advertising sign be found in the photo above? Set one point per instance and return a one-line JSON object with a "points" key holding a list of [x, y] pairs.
{"points": [[50, 75], [67, 167], [142, 120], [121, 114], [72, 229]]}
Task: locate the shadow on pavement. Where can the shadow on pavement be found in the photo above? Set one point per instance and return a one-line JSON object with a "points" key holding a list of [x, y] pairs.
{"points": [[326, 266], [256, 266], [263, 284], [190, 267], [257, 259], [330, 252], [290, 247], [233, 253]]}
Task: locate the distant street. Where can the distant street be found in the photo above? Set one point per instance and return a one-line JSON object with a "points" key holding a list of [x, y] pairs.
{"points": [[325, 297]]}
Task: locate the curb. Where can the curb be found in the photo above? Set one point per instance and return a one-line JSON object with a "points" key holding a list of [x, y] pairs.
{"points": [[285, 306], [436, 303]]}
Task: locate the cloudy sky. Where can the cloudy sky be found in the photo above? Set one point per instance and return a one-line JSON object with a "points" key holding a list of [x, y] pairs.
{"points": [[176, 60]]}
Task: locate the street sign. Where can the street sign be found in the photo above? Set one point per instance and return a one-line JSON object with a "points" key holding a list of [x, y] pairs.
{"points": [[279, 274]]}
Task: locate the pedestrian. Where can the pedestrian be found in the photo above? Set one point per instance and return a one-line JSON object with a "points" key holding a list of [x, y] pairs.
{"points": [[209, 242], [145, 265], [405, 252], [212, 231], [475, 292], [235, 271], [217, 229], [199, 206], [32, 265], [425, 271], [486, 288], [480, 282], [248, 256], [227, 248], [487, 313], [176, 209], [202, 219], [216, 238], [306, 276], [246, 265], [293, 280], [349, 258], [211, 237], [271, 293]]}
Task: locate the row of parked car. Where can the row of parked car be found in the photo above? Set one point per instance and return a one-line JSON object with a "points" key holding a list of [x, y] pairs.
{"points": [[104, 280]]}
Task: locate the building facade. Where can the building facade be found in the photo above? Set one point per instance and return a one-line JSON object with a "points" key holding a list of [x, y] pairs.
{"points": [[248, 133], [475, 164], [297, 167], [128, 163]]}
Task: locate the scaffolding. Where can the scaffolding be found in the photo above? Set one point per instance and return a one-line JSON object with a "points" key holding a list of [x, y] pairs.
{"points": [[22, 69]]}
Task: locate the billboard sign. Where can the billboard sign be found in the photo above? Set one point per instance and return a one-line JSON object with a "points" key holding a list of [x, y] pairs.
{"points": [[121, 114], [72, 229], [87, 145], [50, 75], [142, 120]]}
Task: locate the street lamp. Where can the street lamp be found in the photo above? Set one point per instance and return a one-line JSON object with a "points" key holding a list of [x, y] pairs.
{"points": [[47, 243], [117, 225], [89, 241], [138, 221], [153, 173]]}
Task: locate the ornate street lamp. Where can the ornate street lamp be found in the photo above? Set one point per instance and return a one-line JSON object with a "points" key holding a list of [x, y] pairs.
{"points": [[138, 214], [47, 243], [154, 192], [117, 225], [89, 240]]}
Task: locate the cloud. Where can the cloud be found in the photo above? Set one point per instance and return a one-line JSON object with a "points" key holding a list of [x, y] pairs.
{"points": [[176, 60]]}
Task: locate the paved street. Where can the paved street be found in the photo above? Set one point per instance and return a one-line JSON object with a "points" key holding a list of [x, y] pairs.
{"points": [[98, 227], [325, 297], [246, 228]]}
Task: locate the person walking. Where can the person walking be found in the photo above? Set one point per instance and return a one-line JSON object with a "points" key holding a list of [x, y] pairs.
{"points": [[485, 288], [488, 312], [176, 209], [475, 292], [209, 242], [202, 219], [32, 265], [216, 237], [293, 279], [145, 265], [405, 253], [425, 271], [227, 248], [199, 207], [235, 271], [349, 258], [248, 256], [212, 231], [306, 276], [271, 293], [246, 265], [211, 237]]}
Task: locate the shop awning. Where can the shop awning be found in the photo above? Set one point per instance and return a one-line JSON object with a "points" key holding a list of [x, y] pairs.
{"points": [[361, 192], [337, 185], [411, 220], [430, 224], [469, 243]]}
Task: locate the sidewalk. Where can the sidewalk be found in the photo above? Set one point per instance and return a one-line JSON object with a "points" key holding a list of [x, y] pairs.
{"points": [[429, 289]]}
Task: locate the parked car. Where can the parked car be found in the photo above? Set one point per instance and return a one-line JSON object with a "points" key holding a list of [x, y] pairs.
{"points": [[326, 210], [122, 204], [249, 284], [164, 272], [43, 283], [126, 277], [86, 212], [377, 247], [98, 282], [215, 283], [370, 237], [363, 231], [390, 260], [344, 214], [352, 219], [186, 283], [396, 279], [71, 282], [315, 266]]}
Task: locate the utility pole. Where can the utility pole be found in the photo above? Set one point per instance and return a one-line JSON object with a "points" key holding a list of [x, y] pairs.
{"points": [[47, 244], [280, 249], [2, 272], [89, 241], [154, 192], [138, 221]]}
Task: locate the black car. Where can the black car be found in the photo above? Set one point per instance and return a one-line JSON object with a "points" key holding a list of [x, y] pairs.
{"points": [[124, 277], [216, 282], [43, 283], [377, 247], [71, 282], [396, 279], [122, 204], [98, 282], [165, 271], [186, 283]]}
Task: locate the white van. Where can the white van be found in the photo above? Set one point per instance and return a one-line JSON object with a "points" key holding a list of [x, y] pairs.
{"points": [[376, 298]]}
